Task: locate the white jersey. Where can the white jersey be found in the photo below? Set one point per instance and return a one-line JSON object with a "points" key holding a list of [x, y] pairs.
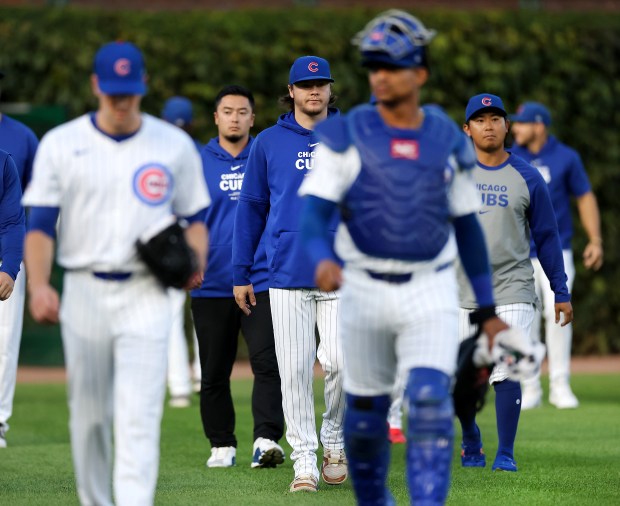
{"points": [[333, 175], [110, 192]]}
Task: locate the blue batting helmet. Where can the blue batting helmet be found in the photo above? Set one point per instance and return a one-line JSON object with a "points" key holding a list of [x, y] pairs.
{"points": [[394, 38]]}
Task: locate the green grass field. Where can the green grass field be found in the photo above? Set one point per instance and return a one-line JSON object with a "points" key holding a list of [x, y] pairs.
{"points": [[564, 457]]}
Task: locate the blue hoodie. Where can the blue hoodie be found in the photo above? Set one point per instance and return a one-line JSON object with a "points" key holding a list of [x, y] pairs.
{"points": [[224, 175], [279, 160], [12, 220], [21, 143]]}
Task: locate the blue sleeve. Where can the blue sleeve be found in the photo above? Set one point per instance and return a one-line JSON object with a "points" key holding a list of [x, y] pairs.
{"points": [[43, 219], [464, 152], [251, 214], [578, 181], [12, 218], [200, 217], [475, 257], [544, 229], [316, 216], [33, 144]]}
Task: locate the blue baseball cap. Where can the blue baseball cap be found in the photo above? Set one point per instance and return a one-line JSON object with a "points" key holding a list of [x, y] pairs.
{"points": [[178, 111], [484, 102], [310, 68], [532, 112], [119, 68]]}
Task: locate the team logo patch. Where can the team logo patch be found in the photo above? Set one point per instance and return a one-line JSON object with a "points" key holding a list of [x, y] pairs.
{"points": [[122, 66], [152, 184], [313, 66], [376, 36], [486, 101], [404, 148]]}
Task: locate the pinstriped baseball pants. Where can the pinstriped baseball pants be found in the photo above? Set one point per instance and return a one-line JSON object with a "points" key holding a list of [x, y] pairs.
{"points": [[296, 313]]}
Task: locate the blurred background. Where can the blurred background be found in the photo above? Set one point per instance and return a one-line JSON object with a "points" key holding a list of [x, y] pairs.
{"points": [[565, 54]]}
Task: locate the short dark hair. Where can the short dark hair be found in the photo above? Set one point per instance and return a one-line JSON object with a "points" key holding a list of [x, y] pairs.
{"points": [[234, 89]]}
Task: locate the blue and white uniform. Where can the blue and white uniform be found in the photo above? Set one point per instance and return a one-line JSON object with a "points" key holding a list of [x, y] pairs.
{"points": [[516, 209], [563, 171], [115, 316], [21, 143], [279, 160], [403, 193]]}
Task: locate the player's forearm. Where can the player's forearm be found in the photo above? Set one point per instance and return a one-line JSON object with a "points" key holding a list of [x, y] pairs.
{"points": [[549, 250], [314, 224], [590, 217], [12, 243], [38, 257], [197, 237]]}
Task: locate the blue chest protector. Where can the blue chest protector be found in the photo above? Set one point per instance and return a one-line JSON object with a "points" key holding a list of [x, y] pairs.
{"points": [[398, 205]]}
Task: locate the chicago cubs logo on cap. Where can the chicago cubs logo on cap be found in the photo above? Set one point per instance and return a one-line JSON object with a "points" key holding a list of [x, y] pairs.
{"points": [[313, 66], [152, 184], [310, 68], [122, 66], [486, 101]]}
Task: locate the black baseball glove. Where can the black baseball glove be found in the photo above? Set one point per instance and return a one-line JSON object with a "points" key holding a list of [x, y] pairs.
{"points": [[166, 252]]}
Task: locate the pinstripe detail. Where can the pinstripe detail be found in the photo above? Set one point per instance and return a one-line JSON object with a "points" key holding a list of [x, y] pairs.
{"points": [[516, 315], [116, 354], [296, 313], [11, 319], [394, 333]]}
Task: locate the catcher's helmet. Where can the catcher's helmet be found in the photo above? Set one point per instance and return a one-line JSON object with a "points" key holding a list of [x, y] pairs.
{"points": [[395, 38]]}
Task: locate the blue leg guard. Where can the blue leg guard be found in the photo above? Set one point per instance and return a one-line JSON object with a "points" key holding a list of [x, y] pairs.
{"points": [[368, 448], [430, 436]]}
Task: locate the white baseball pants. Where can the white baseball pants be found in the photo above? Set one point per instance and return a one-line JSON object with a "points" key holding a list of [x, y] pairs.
{"points": [[296, 313], [115, 337]]}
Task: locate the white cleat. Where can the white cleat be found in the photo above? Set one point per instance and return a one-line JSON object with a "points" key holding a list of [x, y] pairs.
{"points": [[562, 397], [222, 456], [266, 453], [531, 397]]}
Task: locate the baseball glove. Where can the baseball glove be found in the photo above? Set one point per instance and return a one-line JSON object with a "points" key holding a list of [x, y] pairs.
{"points": [[472, 378], [165, 251]]}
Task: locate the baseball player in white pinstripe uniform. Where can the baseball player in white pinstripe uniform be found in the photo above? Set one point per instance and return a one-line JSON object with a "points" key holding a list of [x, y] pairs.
{"points": [[401, 180], [516, 205], [110, 176], [280, 158]]}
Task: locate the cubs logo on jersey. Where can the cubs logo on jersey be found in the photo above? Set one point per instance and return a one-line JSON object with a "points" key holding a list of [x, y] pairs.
{"points": [[152, 184]]}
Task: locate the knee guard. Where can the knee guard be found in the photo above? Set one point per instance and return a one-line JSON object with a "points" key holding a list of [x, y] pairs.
{"points": [[367, 447], [430, 435]]}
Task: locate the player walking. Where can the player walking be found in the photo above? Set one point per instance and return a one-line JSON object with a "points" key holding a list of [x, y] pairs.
{"points": [[217, 316], [401, 180], [112, 175], [565, 175], [516, 207], [21, 143], [280, 158]]}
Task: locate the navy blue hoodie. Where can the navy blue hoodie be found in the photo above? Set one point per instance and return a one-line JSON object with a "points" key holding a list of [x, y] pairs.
{"points": [[224, 175], [280, 158]]}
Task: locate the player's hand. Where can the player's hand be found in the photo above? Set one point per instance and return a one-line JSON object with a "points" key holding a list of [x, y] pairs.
{"points": [[6, 286], [593, 255], [566, 309], [44, 304], [491, 327], [195, 281], [328, 276], [244, 297]]}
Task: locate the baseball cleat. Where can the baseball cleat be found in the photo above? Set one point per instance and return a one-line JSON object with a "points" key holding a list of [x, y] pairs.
{"points": [[222, 456], [304, 483], [472, 455], [267, 453], [179, 401], [504, 463], [562, 397], [335, 467], [396, 436]]}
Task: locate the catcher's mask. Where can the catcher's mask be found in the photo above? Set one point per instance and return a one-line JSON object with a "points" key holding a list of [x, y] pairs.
{"points": [[395, 38]]}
